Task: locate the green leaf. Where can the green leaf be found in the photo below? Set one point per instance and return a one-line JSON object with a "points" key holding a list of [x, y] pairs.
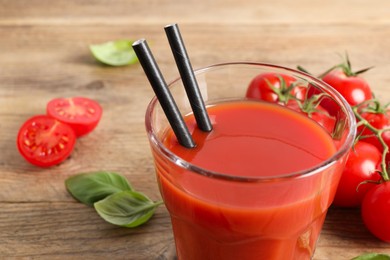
{"points": [[89, 188], [127, 208], [372, 256], [114, 53]]}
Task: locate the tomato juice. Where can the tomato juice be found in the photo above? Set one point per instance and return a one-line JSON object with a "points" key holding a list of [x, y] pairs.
{"points": [[246, 199]]}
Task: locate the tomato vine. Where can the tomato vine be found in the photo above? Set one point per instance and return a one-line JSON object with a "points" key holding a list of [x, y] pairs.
{"points": [[377, 132]]}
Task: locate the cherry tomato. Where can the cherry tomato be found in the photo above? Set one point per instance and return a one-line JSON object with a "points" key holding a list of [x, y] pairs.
{"points": [[80, 113], [379, 121], [279, 88], [376, 211], [261, 87], [363, 161], [329, 104], [324, 119], [353, 88], [45, 141], [318, 114]]}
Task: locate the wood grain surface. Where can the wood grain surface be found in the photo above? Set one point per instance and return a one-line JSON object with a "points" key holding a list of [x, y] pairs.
{"points": [[44, 54]]}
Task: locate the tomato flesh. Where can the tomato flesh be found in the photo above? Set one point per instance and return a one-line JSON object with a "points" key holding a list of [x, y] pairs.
{"points": [[80, 113], [45, 141]]}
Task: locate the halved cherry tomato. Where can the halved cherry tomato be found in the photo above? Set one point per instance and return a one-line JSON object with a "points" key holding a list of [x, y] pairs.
{"points": [[266, 86], [80, 113], [45, 141], [362, 164]]}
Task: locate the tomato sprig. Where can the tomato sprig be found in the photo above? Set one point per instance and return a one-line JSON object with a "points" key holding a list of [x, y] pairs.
{"points": [[373, 105], [365, 181], [311, 104], [275, 87], [347, 82], [346, 67], [284, 92], [308, 105], [288, 91]]}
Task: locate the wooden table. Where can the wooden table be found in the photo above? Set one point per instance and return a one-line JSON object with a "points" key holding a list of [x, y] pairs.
{"points": [[44, 54]]}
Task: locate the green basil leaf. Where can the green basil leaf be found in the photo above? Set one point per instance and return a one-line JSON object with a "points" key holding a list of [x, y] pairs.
{"points": [[114, 53], [372, 256], [89, 188], [127, 208]]}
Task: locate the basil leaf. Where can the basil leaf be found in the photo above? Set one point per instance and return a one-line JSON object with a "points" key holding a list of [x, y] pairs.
{"points": [[127, 208], [372, 256], [89, 188], [114, 53]]}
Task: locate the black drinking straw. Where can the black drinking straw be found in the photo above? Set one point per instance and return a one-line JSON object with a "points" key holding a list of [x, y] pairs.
{"points": [[163, 94], [188, 77]]}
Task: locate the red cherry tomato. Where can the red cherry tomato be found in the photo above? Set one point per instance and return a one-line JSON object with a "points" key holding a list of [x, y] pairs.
{"points": [[363, 161], [379, 121], [80, 113], [376, 211], [353, 88], [261, 87], [328, 103], [324, 119], [45, 141], [319, 115], [280, 88]]}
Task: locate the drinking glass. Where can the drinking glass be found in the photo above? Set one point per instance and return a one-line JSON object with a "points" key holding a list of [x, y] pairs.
{"points": [[278, 217]]}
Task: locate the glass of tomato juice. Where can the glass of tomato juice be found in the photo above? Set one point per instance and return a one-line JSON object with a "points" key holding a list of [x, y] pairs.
{"points": [[257, 186]]}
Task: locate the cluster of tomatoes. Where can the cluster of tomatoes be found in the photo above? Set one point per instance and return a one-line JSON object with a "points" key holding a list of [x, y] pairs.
{"points": [[365, 181], [47, 140]]}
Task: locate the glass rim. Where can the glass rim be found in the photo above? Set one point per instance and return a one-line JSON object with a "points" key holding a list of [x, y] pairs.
{"points": [[345, 147]]}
